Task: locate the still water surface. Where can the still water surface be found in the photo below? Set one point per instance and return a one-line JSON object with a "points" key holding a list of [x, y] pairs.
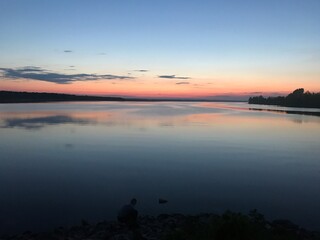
{"points": [[63, 162]]}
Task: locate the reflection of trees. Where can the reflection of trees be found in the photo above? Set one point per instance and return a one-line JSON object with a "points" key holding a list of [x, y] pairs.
{"points": [[40, 122], [298, 98], [286, 111]]}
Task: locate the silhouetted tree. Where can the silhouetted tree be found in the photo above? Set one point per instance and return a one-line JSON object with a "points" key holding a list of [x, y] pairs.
{"points": [[298, 98]]}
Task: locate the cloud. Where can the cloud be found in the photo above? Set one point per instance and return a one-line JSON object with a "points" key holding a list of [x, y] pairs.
{"points": [[30, 69], [68, 51], [36, 73], [141, 70], [172, 77], [181, 83]]}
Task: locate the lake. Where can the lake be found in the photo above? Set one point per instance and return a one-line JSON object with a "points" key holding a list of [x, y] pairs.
{"points": [[63, 162]]}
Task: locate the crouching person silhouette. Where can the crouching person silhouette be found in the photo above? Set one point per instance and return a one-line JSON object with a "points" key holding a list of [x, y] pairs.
{"points": [[128, 215]]}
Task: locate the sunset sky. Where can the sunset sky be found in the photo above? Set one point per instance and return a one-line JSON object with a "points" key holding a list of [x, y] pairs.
{"points": [[205, 48]]}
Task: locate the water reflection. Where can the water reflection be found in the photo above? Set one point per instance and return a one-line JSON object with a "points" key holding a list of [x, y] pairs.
{"points": [[86, 159], [311, 113], [35, 123]]}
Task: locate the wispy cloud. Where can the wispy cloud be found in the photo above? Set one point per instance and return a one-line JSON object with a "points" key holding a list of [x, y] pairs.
{"points": [[172, 77], [141, 70], [181, 83], [68, 51], [36, 73], [28, 69]]}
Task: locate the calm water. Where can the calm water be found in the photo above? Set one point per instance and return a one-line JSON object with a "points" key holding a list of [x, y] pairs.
{"points": [[63, 162]]}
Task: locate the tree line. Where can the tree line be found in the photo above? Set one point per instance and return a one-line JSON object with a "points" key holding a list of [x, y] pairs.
{"points": [[298, 98], [30, 97]]}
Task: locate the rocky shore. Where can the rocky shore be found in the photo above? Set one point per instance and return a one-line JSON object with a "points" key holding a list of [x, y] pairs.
{"points": [[177, 226]]}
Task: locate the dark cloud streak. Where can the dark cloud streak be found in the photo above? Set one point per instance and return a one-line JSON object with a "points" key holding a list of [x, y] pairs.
{"points": [[172, 77], [36, 73], [181, 83]]}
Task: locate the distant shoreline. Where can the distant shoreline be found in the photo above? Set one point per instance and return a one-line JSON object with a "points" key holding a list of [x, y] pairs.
{"points": [[35, 97]]}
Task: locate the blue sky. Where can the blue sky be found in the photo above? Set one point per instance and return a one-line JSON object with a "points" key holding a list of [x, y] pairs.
{"points": [[204, 40]]}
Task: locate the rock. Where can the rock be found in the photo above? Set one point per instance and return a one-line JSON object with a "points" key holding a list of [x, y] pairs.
{"points": [[285, 224], [162, 201], [84, 223], [162, 217], [153, 228], [121, 237]]}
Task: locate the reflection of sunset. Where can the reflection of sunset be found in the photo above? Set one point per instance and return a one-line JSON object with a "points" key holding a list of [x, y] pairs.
{"points": [[96, 148], [142, 115]]}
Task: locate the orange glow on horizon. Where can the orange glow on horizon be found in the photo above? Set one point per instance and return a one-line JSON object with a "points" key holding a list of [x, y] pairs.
{"points": [[160, 88]]}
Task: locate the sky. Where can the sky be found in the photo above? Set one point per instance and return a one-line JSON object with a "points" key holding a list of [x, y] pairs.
{"points": [[194, 49]]}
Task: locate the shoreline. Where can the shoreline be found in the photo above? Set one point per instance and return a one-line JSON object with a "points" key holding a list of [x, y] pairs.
{"points": [[43, 97], [229, 225]]}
